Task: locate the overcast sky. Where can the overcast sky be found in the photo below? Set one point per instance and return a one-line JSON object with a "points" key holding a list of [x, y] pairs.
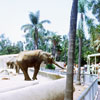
{"points": [[15, 13]]}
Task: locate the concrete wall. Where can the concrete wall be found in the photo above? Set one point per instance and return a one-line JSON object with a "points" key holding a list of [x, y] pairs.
{"points": [[4, 59], [53, 90]]}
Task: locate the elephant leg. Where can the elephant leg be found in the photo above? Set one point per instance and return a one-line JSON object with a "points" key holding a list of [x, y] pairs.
{"points": [[12, 66], [36, 70], [25, 71], [26, 74], [17, 69]]}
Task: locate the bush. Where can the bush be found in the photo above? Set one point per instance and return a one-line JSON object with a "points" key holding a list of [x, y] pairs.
{"points": [[50, 66]]}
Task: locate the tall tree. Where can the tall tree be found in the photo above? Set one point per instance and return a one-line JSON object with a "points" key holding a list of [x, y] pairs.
{"points": [[71, 51], [94, 31], [81, 11], [55, 47], [80, 34], [34, 27], [65, 48]]}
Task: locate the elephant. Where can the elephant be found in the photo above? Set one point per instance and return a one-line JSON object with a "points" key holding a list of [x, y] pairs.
{"points": [[12, 64], [33, 58], [9, 64]]}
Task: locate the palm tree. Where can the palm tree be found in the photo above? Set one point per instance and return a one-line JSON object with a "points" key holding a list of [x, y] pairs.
{"points": [[71, 51], [81, 10], [65, 47], [96, 42], [34, 27], [94, 5], [80, 35], [94, 31], [55, 39]]}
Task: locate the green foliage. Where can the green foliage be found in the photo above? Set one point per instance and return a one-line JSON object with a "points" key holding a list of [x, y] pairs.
{"points": [[20, 45], [50, 66], [6, 46], [86, 50], [10, 50], [94, 5], [55, 40]]}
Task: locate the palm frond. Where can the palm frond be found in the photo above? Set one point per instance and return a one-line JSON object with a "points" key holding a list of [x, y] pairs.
{"points": [[45, 21], [39, 26], [47, 37], [33, 18], [97, 44], [95, 7], [81, 7], [89, 21], [26, 27], [37, 15], [27, 35]]}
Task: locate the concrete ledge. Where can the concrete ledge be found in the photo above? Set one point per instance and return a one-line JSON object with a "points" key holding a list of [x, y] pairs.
{"points": [[8, 85], [53, 76], [50, 75], [52, 90]]}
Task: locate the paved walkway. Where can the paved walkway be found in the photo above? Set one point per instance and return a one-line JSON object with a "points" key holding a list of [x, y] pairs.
{"points": [[98, 98]]}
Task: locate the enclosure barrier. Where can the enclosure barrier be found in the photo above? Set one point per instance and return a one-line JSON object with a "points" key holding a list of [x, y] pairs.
{"points": [[51, 90], [11, 85], [91, 92]]}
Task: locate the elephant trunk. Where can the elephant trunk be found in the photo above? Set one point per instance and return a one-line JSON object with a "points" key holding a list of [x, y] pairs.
{"points": [[58, 65]]}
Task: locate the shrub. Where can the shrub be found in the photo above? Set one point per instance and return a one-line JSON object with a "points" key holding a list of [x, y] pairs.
{"points": [[50, 66]]}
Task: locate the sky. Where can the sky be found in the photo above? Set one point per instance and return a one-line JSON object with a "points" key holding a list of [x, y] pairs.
{"points": [[15, 13]]}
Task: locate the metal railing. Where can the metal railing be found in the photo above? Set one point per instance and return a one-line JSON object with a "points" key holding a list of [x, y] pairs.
{"points": [[91, 92], [87, 79]]}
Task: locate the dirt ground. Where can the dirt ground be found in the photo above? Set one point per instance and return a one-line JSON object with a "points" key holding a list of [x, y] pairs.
{"points": [[78, 90], [19, 78]]}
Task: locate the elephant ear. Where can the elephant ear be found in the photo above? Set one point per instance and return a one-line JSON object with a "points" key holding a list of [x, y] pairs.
{"points": [[47, 57]]}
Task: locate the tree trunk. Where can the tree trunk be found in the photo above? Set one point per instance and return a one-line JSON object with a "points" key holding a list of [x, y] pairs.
{"points": [[71, 51], [79, 62], [80, 53], [54, 51], [58, 55], [36, 38], [65, 54]]}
